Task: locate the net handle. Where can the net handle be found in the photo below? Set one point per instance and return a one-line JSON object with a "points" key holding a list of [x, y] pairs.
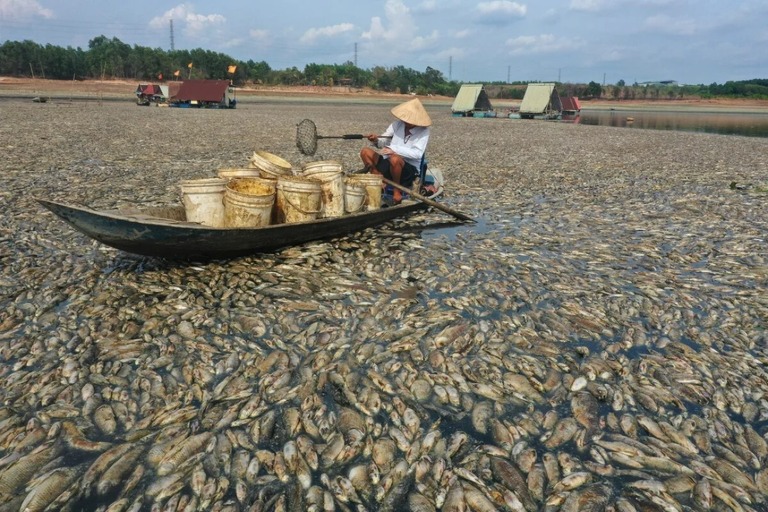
{"points": [[307, 137]]}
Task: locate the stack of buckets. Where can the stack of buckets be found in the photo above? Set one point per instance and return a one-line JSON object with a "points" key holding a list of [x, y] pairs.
{"points": [[269, 192], [330, 176], [203, 201], [368, 186]]}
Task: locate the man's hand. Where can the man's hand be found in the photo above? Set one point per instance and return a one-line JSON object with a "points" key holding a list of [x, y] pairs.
{"points": [[372, 137], [386, 150]]}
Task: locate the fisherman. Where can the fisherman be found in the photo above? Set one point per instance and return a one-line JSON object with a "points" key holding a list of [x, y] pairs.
{"points": [[400, 159]]}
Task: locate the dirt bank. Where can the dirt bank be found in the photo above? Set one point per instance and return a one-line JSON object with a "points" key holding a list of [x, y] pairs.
{"points": [[115, 89]]}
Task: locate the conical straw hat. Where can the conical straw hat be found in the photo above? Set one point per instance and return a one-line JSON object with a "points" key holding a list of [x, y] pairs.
{"points": [[412, 112]]}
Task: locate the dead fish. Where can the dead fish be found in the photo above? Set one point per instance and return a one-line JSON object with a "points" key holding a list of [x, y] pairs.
{"points": [[117, 472], [537, 482], [477, 500], [50, 486], [101, 464], [105, 419], [585, 409], [563, 432], [183, 451], [454, 499], [726, 498], [22, 471], [572, 481], [417, 502], [396, 498], [481, 415], [702, 494], [593, 498], [732, 474], [75, 439], [508, 474]]}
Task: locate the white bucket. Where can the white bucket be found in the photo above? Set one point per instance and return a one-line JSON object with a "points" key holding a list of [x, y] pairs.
{"points": [[331, 177], [248, 203], [230, 173], [203, 200], [297, 199], [372, 184], [271, 166], [354, 196]]}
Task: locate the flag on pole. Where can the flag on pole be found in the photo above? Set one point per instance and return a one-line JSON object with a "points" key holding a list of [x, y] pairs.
{"points": [[189, 65], [159, 76], [231, 69], [176, 73]]}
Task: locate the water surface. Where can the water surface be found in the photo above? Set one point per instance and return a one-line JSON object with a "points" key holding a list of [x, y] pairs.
{"points": [[724, 123]]}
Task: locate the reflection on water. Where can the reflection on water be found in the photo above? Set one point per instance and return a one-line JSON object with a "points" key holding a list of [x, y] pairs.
{"points": [[751, 125]]}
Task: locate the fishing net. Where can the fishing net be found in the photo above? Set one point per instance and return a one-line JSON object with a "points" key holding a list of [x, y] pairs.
{"points": [[306, 137]]}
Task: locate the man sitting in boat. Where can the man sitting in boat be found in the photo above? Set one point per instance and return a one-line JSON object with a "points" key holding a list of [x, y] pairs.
{"points": [[399, 161]]}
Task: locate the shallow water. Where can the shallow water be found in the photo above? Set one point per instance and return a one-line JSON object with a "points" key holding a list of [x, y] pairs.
{"points": [[746, 124]]}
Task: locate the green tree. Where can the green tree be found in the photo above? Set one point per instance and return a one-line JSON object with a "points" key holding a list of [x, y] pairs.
{"points": [[594, 89]]}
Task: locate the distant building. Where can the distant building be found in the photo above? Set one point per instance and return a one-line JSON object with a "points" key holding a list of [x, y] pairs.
{"points": [[204, 94], [151, 93], [541, 101], [571, 104], [660, 83], [471, 98]]}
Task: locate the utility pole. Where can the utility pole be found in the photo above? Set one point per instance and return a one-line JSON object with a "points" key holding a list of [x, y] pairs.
{"points": [[509, 71], [172, 45], [450, 67], [355, 54], [558, 75]]}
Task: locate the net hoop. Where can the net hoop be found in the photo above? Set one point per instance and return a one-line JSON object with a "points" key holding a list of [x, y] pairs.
{"points": [[306, 137]]}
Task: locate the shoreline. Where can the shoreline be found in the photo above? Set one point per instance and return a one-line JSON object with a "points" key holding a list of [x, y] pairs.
{"points": [[20, 88]]}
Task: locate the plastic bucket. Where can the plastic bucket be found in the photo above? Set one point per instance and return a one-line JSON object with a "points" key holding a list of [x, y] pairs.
{"points": [[372, 184], [297, 199], [331, 177], [248, 203], [271, 166], [230, 173], [203, 200], [354, 196]]}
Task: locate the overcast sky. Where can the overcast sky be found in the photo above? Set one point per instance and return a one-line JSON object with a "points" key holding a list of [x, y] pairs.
{"points": [[693, 42]]}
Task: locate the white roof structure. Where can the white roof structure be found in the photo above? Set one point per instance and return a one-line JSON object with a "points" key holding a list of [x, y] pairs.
{"points": [[540, 99], [471, 97]]}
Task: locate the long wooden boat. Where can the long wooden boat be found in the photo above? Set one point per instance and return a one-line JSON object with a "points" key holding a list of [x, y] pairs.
{"points": [[164, 231]]}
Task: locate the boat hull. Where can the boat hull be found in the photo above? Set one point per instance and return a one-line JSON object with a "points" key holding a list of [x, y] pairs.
{"points": [[169, 236]]}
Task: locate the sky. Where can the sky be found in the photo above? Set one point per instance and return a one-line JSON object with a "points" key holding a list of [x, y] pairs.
{"points": [[576, 41]]}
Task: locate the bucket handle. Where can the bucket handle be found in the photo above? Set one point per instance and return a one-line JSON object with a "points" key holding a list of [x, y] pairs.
{"points": [[305, 212], [359, 208]]}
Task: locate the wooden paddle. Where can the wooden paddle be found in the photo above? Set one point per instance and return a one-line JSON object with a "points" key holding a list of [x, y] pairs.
{"points": [[425, 200]]}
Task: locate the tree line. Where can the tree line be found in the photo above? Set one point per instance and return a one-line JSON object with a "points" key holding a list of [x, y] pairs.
{"points": [[112, 58]]}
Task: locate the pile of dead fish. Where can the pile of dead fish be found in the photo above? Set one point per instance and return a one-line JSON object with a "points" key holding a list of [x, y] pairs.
{"points": [[200, 409], [596, 343]]}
